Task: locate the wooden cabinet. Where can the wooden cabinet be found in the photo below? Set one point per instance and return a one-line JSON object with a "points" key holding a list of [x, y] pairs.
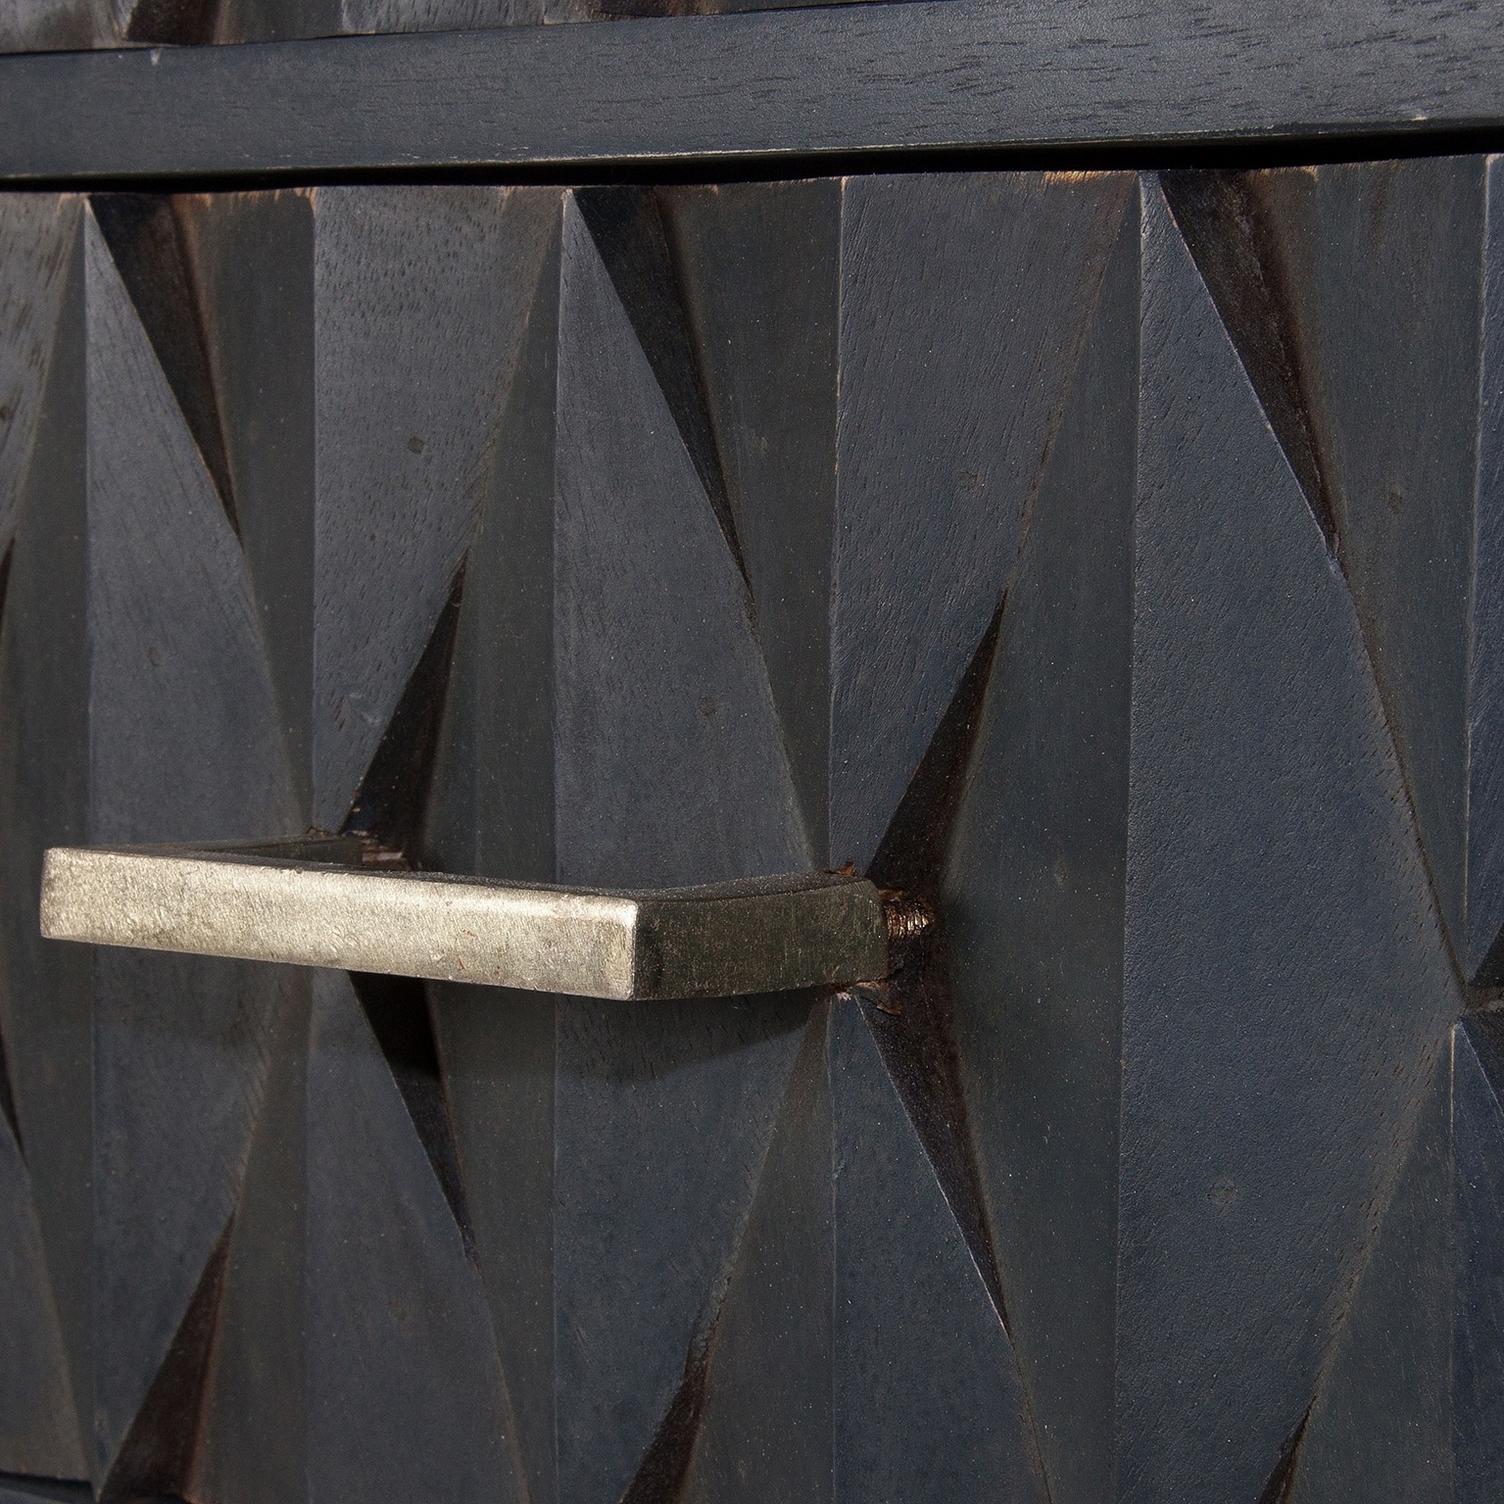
{"points": [[1111, 559]]}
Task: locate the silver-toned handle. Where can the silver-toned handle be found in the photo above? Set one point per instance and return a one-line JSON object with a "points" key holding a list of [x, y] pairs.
{"points": [[318, 902]]}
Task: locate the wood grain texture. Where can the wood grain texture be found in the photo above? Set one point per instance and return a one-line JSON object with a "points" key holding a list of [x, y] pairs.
{"points": [[1380, 1424], [177, 671], [401, 1346], [1255, 714], [1033, 894], [935, 405], [492, 813], [36, 243], [775, 1315], [759, 269], [975, 73], [37, 1430], [253, 1408], [1478, 1361], [1135, 1181], [411, 367], [1355, 297], [1484, 898], [928, 1400], [250, 261], [45, 992], [668, 766]]}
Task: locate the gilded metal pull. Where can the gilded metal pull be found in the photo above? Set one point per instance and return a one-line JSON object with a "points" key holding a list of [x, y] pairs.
{"points": [[319, 902]]}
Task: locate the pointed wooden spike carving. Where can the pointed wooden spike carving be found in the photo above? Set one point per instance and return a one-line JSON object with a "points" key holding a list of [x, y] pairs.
{"points": [[1380, 1425], [774, 1317], [927, 1397], [397, 1010], [251, 256], [1317, 950], [145, 236], [406, 1394], [177, 677], [38, 1430], [758, 269], [627, 225], [944, 423], [255, 1413], [1478, 1188], [391, 801], [1483, 956], [1232, 223], [1030, 904], [412, 368], [157, 1455]]}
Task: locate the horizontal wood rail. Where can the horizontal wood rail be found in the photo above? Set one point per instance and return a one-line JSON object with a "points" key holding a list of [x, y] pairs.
{"points": [[822, 80]]}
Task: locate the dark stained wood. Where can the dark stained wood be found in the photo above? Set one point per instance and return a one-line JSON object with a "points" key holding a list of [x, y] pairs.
{"points": [[1022, 537], [491, 811], [400, 1343], [936, 405], [759, 269], [822, 79], [928, 1399], [1033, 896], [56, 25], [1484, 898], [1287, 981], [250, 261], [1478, 1360], [179, 1053], [37, 1430], [45, 992], [774, 1315], [37, 235], [1380, 1423], [252, 1410], [667, 764], [411, 365]]}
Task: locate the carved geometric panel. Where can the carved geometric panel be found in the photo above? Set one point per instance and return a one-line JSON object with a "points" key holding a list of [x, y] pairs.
{"points": [[1108, 560]]}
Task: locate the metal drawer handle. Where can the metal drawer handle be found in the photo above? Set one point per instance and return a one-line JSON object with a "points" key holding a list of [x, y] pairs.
{"points": [[320, 902]]}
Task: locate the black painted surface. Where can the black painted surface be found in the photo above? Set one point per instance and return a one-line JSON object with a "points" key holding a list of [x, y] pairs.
{"points": [[807, 80], [1025, 540], [1478, 1131]]}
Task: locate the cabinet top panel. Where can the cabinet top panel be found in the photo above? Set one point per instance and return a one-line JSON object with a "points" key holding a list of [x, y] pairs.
{"points": [[762, 85]]}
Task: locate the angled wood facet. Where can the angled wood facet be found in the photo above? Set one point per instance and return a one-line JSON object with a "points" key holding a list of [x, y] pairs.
{"points": [[768, 935]]}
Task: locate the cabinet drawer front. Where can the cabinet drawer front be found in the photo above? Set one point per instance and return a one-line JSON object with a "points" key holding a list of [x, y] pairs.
{"points": [[1111, 561]]}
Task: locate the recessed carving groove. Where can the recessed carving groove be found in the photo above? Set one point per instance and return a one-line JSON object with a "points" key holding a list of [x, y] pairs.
{"points": [[397, 1009], [632, 239], [158, 1454], [1228, 225], [393, 796], [144, 233]]}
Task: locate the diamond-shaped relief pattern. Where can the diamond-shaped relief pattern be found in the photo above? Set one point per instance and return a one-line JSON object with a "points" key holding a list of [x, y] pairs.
{"points": [[1035, 542]]}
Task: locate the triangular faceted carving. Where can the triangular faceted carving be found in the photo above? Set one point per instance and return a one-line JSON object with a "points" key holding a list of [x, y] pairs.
{"points": [[627, 225], [158, 1453], [964, 299], [145, 236]]}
